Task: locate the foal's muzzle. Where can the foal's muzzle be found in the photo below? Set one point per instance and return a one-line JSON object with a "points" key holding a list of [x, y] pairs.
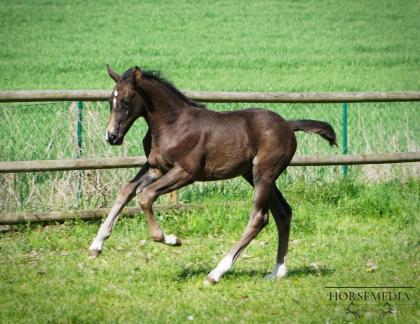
{"points": [[113, 139]]}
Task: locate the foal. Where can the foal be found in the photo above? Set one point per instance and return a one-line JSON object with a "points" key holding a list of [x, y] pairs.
{"points": [[186, 142]]}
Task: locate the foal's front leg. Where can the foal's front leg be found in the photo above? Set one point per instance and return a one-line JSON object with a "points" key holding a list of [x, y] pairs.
{"points": [[174, 179], [145, 177]]}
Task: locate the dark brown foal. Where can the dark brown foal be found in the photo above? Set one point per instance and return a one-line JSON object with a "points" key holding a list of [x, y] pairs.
{"points": [[187, 143]]}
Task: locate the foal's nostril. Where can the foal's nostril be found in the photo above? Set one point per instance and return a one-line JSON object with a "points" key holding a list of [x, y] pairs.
{"points": [[111, 137]]}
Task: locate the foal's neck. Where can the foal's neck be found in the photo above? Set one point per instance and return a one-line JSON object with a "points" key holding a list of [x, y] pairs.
{"points": [[164, 106]]}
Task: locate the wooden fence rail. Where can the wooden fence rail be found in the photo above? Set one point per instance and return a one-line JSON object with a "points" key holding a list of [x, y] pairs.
{"points": [[219, 96], [130, 162], [63, 215]]}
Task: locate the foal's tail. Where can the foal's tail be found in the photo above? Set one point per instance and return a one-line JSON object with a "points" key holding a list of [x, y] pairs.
{"points": [[323, 129]]}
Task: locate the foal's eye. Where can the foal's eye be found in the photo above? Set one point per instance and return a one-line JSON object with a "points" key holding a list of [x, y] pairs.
{"points": [[125, 102]]}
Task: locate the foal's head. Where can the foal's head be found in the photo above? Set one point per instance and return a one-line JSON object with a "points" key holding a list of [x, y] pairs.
{"points": [[125, 103]]}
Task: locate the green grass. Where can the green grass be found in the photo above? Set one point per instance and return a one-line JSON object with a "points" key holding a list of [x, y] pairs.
{"points": [[217, 45], [337, 230]]}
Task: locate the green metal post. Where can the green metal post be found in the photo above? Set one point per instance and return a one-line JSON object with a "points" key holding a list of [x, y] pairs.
{"points": [[79, 128], [345, 168], [79, 148]]}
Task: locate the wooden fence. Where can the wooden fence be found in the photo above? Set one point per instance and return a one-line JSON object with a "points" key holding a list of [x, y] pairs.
{"points": [[219, 96], [138, 161], [204, 96]]}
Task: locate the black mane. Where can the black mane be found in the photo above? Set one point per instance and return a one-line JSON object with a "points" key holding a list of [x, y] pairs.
{"points": [[157, 76]]}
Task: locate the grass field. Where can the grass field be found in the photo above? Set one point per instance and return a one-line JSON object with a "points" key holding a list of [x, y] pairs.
{"points": [[340, 227], [217, 45], [338, 230]]}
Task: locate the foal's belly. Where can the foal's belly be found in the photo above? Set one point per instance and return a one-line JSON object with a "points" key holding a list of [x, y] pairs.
{"points": [[227, 172], [228, 153], [226, 164]]}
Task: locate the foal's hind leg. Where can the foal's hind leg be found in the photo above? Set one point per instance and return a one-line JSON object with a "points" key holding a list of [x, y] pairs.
{"points": [[282, 214], [257, 221], [141, 180]]}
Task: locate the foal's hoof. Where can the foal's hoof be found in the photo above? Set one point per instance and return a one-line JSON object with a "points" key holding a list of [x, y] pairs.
{"points": [[278, 272], [93, 254], [178, 242], [209, 281], [172, 240]]}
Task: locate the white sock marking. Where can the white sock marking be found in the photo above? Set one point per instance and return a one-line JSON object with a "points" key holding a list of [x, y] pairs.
{"points": [[169, 239], [106, 228], [224, 265], [116, 93], [279, 271], [96, 245]]}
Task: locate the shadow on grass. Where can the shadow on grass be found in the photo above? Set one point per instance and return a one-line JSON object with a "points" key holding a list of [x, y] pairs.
{"points": [[26, 227], [189, 273], [307, 270]]}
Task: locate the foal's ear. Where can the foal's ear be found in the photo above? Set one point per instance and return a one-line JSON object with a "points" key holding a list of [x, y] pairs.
{"points": [[114, 75], [137, 73]]}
